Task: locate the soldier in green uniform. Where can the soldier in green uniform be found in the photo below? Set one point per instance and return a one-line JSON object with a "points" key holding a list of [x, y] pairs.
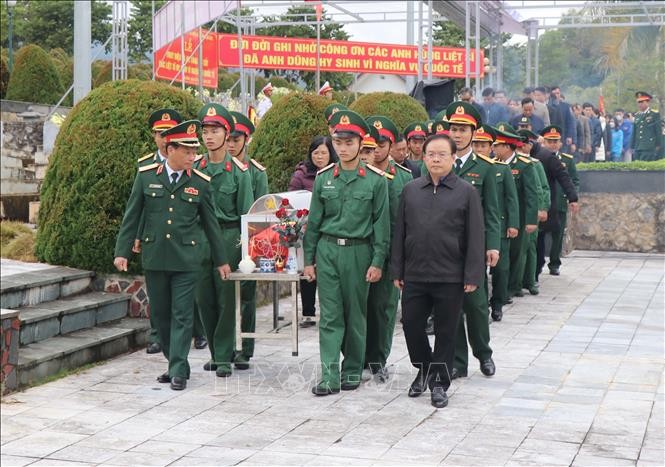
{"points": [[415, 134], [232, 190], [383, 296], [527, 194], [348, 232], [531, 260], [506, 191], [552, 141], [647, 138], [368, 146], [176, 204], [237, 147], [328, 113], [479, 171]]}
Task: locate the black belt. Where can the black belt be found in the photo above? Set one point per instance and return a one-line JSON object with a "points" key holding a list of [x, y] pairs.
{"points": [[344, 241], [230, 225]]}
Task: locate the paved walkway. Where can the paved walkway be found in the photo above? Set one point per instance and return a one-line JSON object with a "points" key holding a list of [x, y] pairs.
{"points": [[579, 381]]}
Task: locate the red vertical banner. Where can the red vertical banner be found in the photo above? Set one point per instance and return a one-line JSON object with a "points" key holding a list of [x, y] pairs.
{"points": [[168, 60]]}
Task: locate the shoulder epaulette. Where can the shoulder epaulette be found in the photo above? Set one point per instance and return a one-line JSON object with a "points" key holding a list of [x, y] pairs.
{"points": [[239, 164], [148, 167], [400, 166], [257, 165], [485, 158], [146, 157], [327, 167], [497, 161], [526, 160], [201, 174], [376, 170], [566, 155], [198, 158]]}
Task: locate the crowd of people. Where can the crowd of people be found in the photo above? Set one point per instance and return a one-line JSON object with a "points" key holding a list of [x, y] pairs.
{"points": [[424, 213], [590, 135]]}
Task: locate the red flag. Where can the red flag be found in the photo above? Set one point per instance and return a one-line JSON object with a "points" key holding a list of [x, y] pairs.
{"points": [[601, 105], [319, 11]]}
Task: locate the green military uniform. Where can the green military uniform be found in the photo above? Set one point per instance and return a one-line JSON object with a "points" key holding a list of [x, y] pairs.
{"points": [[480, 172], [383, 296], [176, 214], [416, 130], [232, 191], [527, 194], [647, 140], [159, 120], [348, 231], [562, 207], [332, 109]]}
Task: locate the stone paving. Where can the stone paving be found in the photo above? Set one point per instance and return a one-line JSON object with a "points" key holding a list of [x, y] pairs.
{"points": [[579, 382]]}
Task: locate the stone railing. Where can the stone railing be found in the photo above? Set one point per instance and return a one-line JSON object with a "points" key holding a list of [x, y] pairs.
{"points": [[620, 211], [9, 343]]}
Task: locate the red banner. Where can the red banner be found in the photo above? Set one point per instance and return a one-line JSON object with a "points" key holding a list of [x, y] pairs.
{"points": [[341, 56], [168, 60]]}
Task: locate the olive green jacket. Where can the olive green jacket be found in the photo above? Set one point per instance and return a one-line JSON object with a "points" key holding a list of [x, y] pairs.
{"points": [[509, 206], [526, 183], [569, 162]]}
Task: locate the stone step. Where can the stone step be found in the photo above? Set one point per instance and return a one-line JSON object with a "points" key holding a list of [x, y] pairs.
{"points": [[69, 314], [66, 352], [35, 287]]}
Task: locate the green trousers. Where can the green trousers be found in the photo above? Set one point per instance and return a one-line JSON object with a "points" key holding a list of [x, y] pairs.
{"points": [[529, 279], [557, 241], [171, 296], [645, 155], [517, 261], [343, 291], [500, 275], [216, 300], [248, 314], [477, 323], [381, 313], [153, 336], [197, 328]]}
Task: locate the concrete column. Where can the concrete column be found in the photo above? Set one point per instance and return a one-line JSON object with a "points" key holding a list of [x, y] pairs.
{"points": [[82, 43]]}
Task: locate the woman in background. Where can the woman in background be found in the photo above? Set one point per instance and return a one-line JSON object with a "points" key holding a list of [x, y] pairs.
{"points": [[320, 154]]}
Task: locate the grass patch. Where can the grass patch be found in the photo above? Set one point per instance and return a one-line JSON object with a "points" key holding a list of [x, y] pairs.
{"points": [[17, 241], [623, 166]]}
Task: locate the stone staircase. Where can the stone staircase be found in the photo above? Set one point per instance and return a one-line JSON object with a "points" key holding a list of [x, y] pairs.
{"points": [[64, 324]]}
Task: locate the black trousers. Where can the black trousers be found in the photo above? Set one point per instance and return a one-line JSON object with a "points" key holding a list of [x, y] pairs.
{"points": [[419, 299], [308, 297]]}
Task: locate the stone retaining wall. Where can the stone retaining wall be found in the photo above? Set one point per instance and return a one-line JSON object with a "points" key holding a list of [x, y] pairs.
{"points": [[9, 343]]}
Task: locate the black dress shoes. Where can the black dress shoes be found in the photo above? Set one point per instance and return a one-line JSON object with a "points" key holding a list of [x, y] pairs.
{"points": [[497, 313], [165, 378], [509, 301], [209, 366], [439, 397], [155, 347], [200, 342], [533, 290], [487, 367], [458, 374], [323, 389], [349, 386], [178, 383], [518, 293], [419, 385], [554, 272]]}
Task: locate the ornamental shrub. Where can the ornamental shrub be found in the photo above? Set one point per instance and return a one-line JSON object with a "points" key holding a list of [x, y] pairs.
{"points": [[400, 108], [623, 166], [34, 77], [65, 66], [4, 76], [92, 168], [283, 135]]}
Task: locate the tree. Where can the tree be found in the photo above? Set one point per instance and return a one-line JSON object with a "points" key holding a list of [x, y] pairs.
{"points": [[139, 37], [50, 23], [400, 108], [34, 77]]}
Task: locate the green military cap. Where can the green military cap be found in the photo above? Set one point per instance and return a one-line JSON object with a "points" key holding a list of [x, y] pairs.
{"points": [[428, 124], [415, 130], [163, 119], [347, 122], [385, 127], [642, 96], [551, 132], [524, 121], [441, 116], [371, 138], [484, 133], [241, 125], [332, 109], [216, 115], [440, 127], [185, 133], [527, 134], [505, 127], [463, 113]]}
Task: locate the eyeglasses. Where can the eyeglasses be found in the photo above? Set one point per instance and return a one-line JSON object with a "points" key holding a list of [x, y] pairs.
{"points": [[442, 155]]}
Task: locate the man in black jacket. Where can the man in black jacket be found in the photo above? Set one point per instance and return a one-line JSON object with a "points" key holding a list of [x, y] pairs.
{"points": [[438, 254]]}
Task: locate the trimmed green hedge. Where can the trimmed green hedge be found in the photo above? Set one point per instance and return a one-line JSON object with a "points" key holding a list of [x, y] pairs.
{"points": [[284, 134], [65, 66], [4, 77], [34, 77], [623, 166], [400, 108], [92, 168]]}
